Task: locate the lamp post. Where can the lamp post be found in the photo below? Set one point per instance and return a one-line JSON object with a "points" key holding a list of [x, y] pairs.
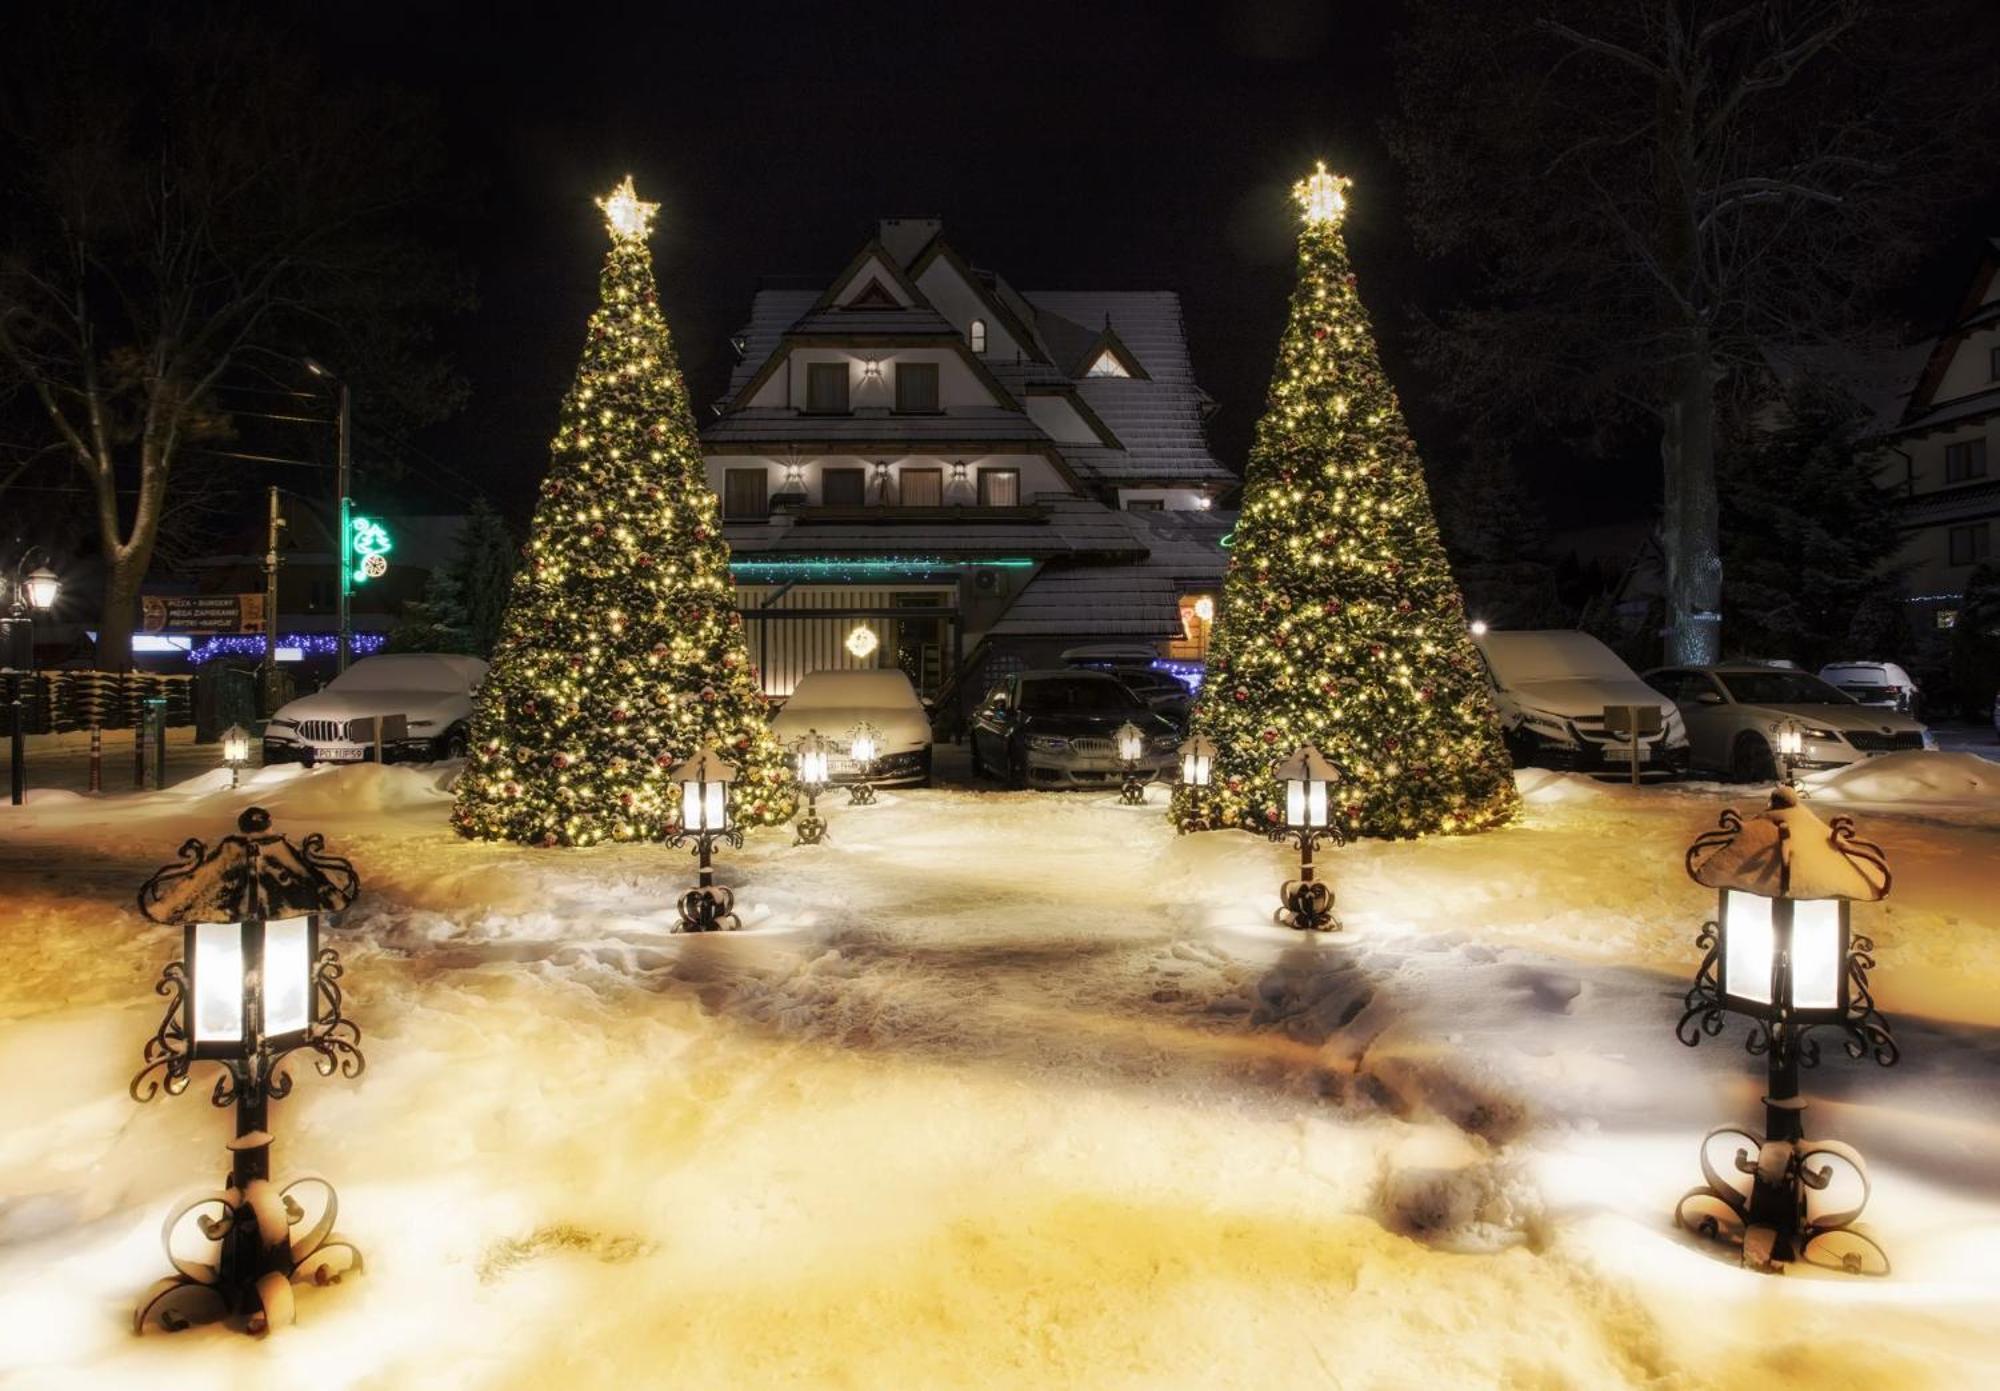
{"points": [[813, 778], [706, 821], [1131, 748], [1791, 747], [235, 752], [33, 591], [864, 743], [1308, 780], [252, 987], [1782, 953], [342, 486], [1197, 755]]}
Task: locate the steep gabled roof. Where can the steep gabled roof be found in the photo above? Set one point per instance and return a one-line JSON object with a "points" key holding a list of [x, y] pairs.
{"points": [[1017, 328], [874, 255]]}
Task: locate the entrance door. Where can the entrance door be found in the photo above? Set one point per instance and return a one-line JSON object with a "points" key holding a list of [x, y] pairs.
{"points": [[920, 643]]}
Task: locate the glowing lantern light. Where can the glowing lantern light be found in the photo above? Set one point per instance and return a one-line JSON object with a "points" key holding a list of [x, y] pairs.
{"points": [[1781, 952], [862, 642], [814, 774], [706, 820], [1308, 779], [864, 746]]}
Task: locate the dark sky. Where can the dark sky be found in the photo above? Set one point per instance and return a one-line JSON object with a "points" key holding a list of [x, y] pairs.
{"points": [[1082, 145], [1090, 144]]}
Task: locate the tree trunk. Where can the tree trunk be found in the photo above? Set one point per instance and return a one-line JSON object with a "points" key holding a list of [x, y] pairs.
{"points": [[1691, 521], [124, 573]]}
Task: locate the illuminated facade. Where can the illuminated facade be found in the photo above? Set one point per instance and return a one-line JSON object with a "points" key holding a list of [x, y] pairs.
{"points": [[980, 477]]}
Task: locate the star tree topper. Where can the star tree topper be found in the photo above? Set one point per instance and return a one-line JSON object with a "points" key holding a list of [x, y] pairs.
{"points": [[627, 217], [1321, 195]]}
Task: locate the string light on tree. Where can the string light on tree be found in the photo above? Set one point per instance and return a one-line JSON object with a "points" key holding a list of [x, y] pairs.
{"points": [[1339, 624], [621, 654]]}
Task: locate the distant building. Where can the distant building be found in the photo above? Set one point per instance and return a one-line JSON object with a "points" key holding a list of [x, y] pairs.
{"points": [[921, 466], [1938, 451]]}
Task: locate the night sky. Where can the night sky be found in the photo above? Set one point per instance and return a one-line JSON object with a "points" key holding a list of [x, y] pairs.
{"points": [[1101, 145]]}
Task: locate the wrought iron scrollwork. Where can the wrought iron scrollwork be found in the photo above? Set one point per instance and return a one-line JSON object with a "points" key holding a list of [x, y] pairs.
{"points": [[167, 1053], [1306, 903], [1766, 1202]]}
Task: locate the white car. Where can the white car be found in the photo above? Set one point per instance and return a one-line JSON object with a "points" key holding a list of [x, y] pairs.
{"points": [[1551, 687], [1882, 684], [1734, 713], [834, 703], [431, 691]]}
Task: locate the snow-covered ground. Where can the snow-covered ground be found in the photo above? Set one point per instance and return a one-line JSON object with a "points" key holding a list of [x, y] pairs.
{"points": [[1008, 1090]]}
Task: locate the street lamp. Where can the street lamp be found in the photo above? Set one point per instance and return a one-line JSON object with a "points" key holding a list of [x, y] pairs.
{"points": [[1131, 748], [342, 487], [235, 752], [813, 779], [706, 820], [41, 588], [1791, 747], [864, 745], [1197, 762], [252, 987], [1781, 952], [1308, 780]]}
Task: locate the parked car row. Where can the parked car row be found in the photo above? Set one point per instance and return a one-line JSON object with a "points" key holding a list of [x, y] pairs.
{"points": [[1552, 689]]}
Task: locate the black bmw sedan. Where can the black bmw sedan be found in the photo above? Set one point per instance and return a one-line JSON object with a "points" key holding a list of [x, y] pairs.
{"points": [[1060, 729]]}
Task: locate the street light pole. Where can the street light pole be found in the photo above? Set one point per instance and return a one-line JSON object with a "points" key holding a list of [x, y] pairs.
{"points": [[341, 483]]}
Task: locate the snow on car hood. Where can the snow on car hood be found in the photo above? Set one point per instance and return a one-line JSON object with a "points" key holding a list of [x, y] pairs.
{"points": [[1586, 695], [901, 728], [348, 705]]}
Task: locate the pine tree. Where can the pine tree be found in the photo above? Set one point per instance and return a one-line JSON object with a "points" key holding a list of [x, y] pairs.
{"points": [[1340, 624], [483, 571], [621, 652], [1499, 542]]}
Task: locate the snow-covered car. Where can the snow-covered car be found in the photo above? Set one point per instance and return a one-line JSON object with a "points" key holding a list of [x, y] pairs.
{"points": [[1734, 713], [835, 703], [1883, 684], [1060, 729], [432, 691], [1551, 687]]}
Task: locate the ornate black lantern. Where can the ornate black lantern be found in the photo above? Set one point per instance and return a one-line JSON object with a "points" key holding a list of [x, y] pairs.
{"points": [[1782, 952], [706, 821], [253, 986], [814, 774], [864, 746], [235, 752], [1309, 782], [1131, 748]]}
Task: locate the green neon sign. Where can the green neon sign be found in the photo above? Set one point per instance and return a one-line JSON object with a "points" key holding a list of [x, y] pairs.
{"points": [[368, 547]]}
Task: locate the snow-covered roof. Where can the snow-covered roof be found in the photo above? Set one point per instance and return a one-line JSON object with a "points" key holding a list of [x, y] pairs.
{"points": [[1069, 526], [1140, 598], [1787, 852]]}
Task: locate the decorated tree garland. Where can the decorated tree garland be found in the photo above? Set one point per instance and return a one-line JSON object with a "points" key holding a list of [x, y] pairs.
{"points": [[1340, 624], [621, 652]]}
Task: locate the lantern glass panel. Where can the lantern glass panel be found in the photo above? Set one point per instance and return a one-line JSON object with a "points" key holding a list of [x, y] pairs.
{"points": [[1131, 743], [863, 748], [287, 976], [1816, 955], [1194, 769], [1295, 802], [218, 982], [714, 811], [235, 745], [691, 806], [1316, 802], [42, 587], [1748, 945]]}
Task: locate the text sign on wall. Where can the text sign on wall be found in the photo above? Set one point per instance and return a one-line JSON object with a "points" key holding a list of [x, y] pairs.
{"points": [[202, 613]]}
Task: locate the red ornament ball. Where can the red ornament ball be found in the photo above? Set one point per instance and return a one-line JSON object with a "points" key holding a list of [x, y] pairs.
{"points": [[1271, 816], [1270, 736], [1319, 333], [1242, 693]]}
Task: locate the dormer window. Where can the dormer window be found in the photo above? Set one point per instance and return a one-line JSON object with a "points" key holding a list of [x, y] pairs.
{"points": [[916, 388], [1107, 365], [975, 335]]}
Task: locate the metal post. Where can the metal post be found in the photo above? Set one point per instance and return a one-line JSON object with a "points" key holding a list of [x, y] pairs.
{"points": [[156, 710], [18, 751], [139, 751], [96, 758], [342, 549], [269, 674], [1635, 747], [707, 877]]}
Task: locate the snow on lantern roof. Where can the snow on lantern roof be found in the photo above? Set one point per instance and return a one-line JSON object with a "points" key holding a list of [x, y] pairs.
{"points": [[1307, 764], [707, 765], [1787, 852], [255, 873]]}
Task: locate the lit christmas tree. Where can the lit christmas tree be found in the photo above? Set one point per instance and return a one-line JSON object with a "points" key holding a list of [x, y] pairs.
{"points": [[621, 652], [1340, 623]]}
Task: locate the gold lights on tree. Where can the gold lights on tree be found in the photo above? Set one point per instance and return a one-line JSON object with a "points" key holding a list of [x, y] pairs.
{"points": [[627, 217], [621, 654], [1321, 195], [1339, 624]]}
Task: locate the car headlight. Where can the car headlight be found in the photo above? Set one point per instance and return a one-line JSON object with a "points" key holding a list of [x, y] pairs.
{"points": [[1812, 733], [1047, 743]]}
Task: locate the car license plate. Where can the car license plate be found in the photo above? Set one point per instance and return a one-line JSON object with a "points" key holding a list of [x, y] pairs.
{"points": [[341, 753], [1622, 753]]}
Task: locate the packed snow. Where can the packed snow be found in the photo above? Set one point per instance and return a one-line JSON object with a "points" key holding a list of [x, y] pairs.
{"points": [[1006, 1089]]}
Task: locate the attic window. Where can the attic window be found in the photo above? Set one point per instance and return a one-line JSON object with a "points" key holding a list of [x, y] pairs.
{"points": [[975, 335], [1107, 365], [874, 295]]}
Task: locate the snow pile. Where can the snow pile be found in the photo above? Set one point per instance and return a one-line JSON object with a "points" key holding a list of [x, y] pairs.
{"points": [[1915, 778]]}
